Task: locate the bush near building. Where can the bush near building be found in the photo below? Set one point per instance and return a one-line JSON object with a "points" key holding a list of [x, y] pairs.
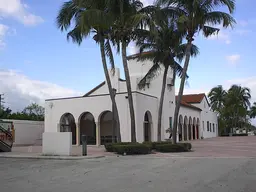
{"points": [[167, 148], [130, 148]]}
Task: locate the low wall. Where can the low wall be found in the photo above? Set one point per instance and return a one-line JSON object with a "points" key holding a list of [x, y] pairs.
{"points": [[27, 132], [56, 143]]}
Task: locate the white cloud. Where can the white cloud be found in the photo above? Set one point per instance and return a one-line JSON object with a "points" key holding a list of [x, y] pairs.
{"points": [[3, 32], [233, 59], [19, 90], [223, 36], [242, 23], [19, 11], [243, 31]]}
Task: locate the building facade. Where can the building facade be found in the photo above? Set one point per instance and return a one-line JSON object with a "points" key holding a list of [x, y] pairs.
{"points": [[91, 114]]}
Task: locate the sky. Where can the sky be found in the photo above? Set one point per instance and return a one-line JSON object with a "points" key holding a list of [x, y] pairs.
{"points": [[37, 62]]}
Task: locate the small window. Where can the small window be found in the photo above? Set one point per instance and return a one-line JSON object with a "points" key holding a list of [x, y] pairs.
{"points": [[203, 125], [207, 125], [213, 128], [210, 127], [170, 122]]}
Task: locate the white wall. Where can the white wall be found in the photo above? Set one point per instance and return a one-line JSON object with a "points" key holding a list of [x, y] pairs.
{"points": [[62, 147], [27, 132], [211, 117], [193, 113], [143, 104]]}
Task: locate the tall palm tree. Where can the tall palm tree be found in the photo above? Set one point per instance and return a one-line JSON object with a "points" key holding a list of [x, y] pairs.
{"points": [[195, 16], [238, 100], [217, 98], [240, 95], [128, 18], [252, 111], [163, 47], [91, 17]]}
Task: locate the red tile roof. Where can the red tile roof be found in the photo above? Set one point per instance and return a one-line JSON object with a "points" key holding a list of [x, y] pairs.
{"points": [[193, 98], [187, 100]]}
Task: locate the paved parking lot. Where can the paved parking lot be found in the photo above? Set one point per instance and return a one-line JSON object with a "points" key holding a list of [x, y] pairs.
{"points": [[129, 174], [219, 164]]}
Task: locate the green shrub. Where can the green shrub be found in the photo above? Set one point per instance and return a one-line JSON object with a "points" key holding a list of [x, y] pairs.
{"points": [[187, 146], [132, 149], [165, 148], [234, 134], [240, 134], [109, 146], [152, 144]]}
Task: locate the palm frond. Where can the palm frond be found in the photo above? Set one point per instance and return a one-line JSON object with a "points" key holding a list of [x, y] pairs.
{"points": [[66, 14], [110, 56], [76, 35], [181, 51], [208, 31], [153, 72], [218, 17]]}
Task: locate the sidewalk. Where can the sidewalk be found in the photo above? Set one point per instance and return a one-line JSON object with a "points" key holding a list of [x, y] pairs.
{"points": [[35, 152]]}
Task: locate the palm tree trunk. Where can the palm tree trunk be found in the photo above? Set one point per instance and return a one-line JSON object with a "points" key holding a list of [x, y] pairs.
{"points": [[112, 97], [160, 110], [129, 91], [182, 84]]}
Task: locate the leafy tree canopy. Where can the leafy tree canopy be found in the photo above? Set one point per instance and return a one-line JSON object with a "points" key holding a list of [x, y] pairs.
{"points": [[32, 112]]}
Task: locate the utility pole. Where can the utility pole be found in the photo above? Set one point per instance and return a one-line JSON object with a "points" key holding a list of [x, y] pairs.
{"points": [[1, 101]]}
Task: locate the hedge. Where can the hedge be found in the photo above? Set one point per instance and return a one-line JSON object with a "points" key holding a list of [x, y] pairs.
{"points": [[132, 149], [239, 134], [152, 144], [187, 146], [109, 146], [234, 134], [179, 147]]}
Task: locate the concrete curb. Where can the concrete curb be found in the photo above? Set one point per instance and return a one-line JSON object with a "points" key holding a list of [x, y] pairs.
{"points": [[51, 157]]}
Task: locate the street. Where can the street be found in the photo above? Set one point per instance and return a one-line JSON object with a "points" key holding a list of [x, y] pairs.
{"points": [[129, 174]]}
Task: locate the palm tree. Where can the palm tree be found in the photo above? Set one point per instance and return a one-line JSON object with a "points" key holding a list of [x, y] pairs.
{"points": [[162, 46], [195, 16], [128, 18], [253, 111], [217, 98], [90, 16], [238, 100]]}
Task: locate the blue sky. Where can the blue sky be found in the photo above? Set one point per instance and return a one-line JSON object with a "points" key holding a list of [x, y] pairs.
{"points": [[37, 62]]}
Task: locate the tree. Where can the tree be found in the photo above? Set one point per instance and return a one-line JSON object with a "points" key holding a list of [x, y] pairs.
{"points": [[32, 112], [232, 106], [253, 111], [128, 18], [34, 109], [195, 16], [217, 98], [163, 47], [90, 16]]}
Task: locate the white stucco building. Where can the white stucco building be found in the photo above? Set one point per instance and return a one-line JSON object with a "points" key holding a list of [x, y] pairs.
{"points": [[91, 113]]}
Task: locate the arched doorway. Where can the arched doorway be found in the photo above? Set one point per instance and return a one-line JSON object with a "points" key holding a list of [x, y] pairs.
{"points": [[68, 124], [185, 128], [180, 127], [189, 128], [88, 128], [147, 126], [194, 128], [197, 128], [107, 134]]}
